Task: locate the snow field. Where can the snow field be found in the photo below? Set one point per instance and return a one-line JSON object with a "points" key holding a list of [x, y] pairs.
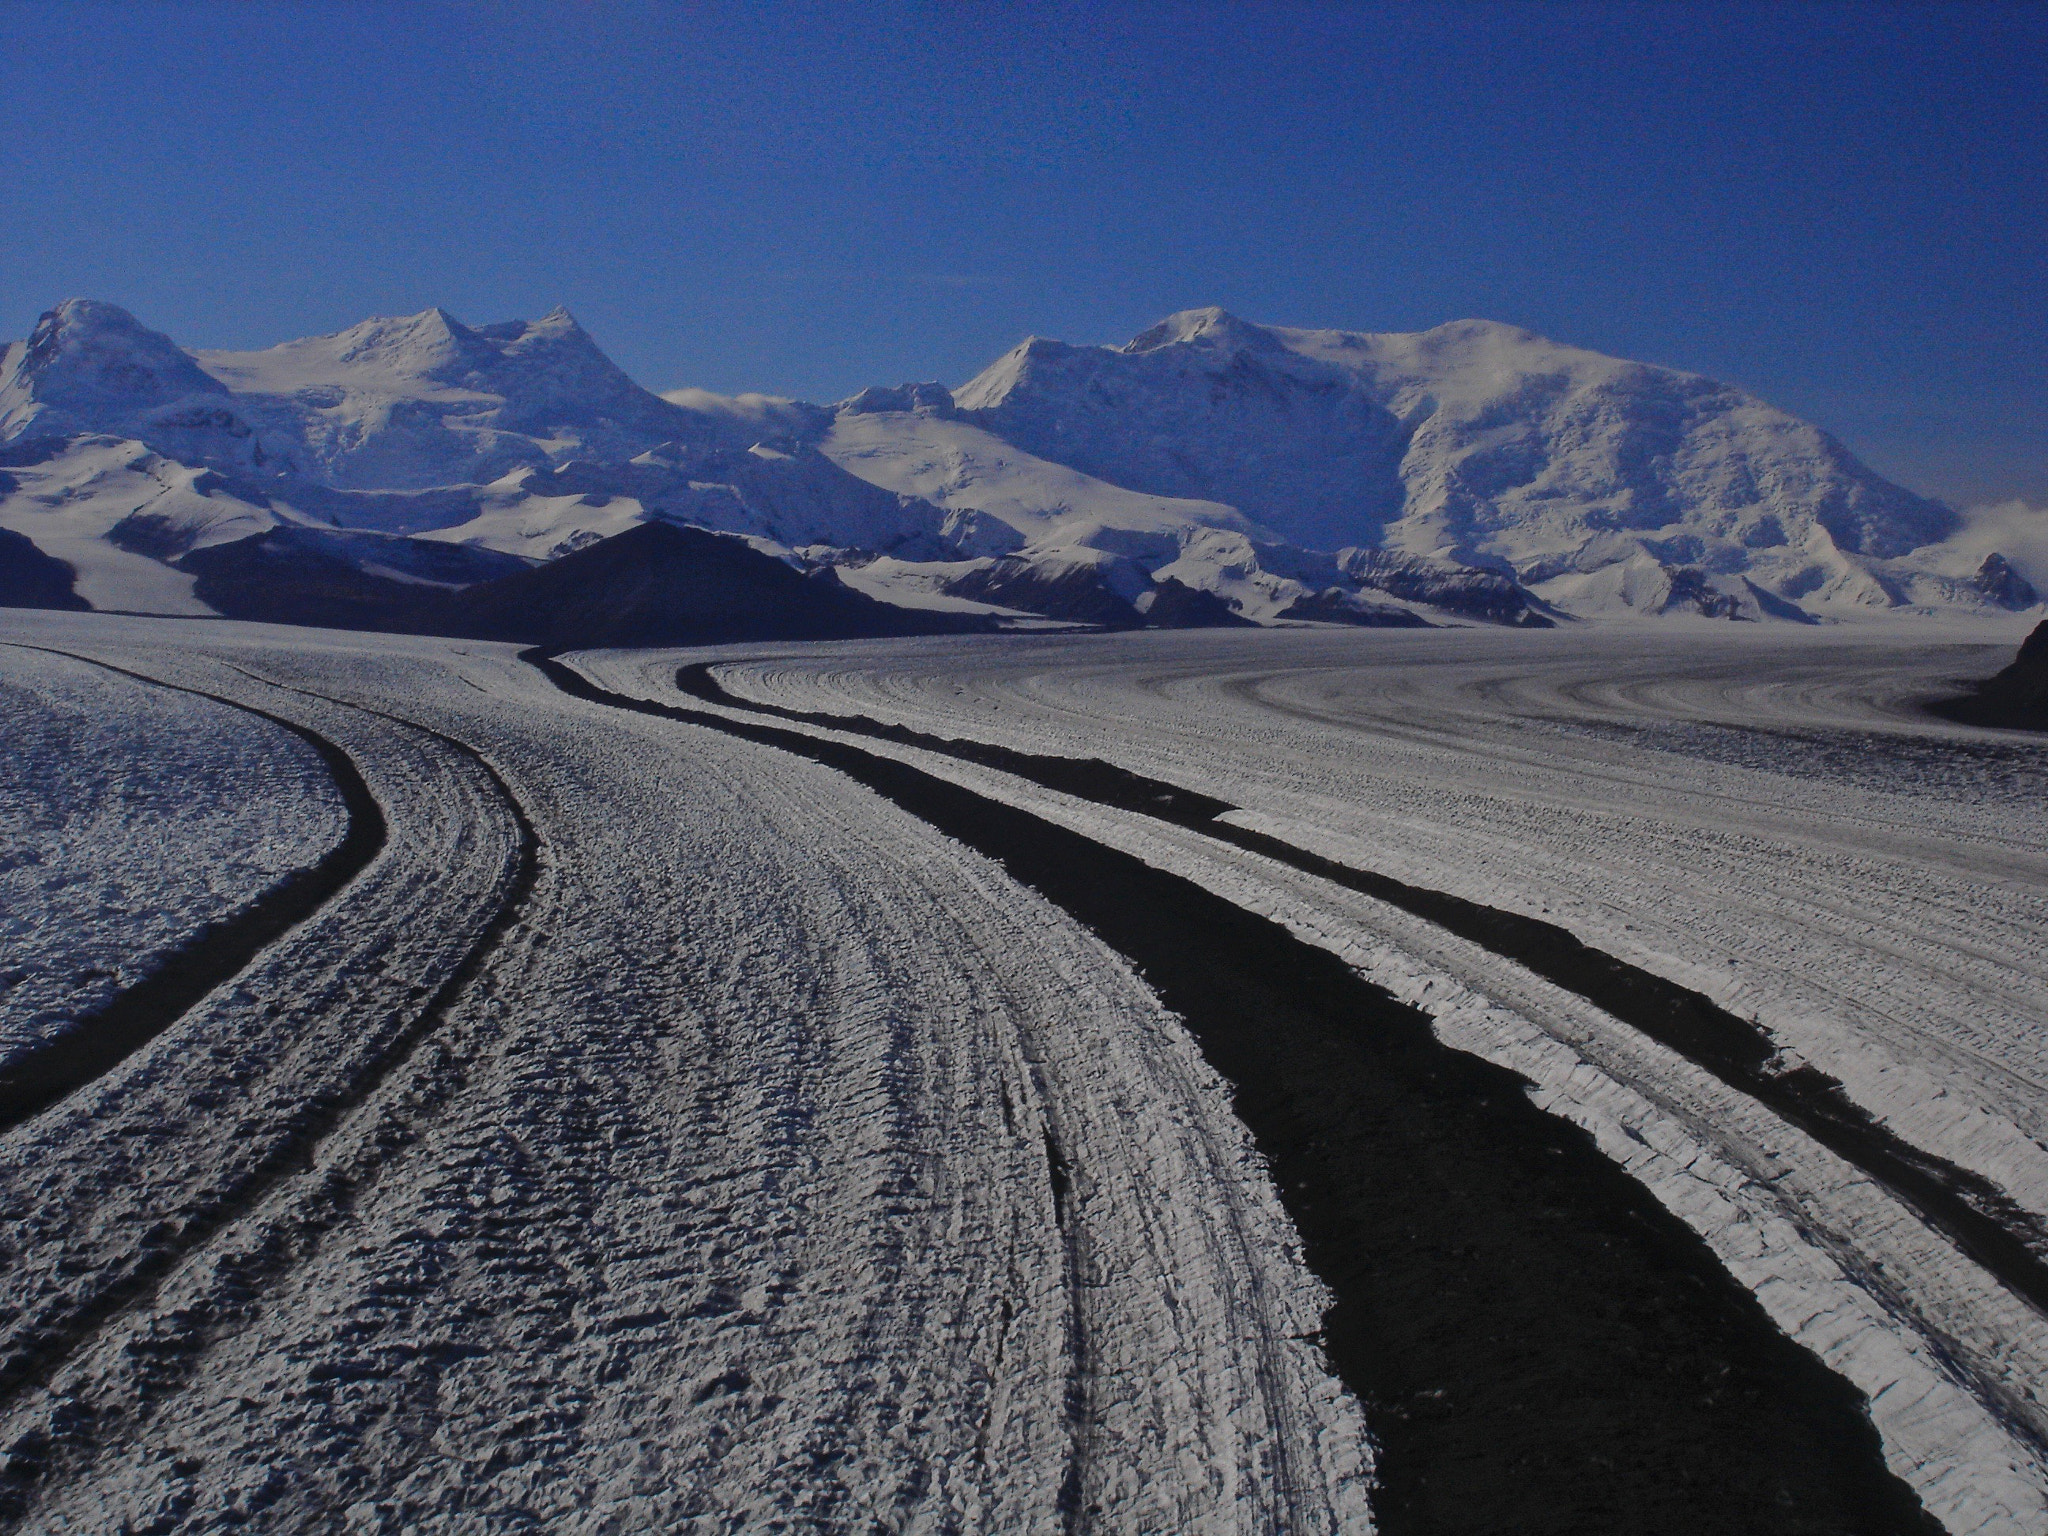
{"points": [[130, 818], [130, 1174], [722, 1197], [68, 505], [1951, 1361], [1890, 937]]}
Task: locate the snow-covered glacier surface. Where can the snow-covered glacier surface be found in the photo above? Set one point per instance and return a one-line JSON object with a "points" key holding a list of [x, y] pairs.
{"points": [[661, 1133], [668, 1130], [130, 819], [1766, 820]]}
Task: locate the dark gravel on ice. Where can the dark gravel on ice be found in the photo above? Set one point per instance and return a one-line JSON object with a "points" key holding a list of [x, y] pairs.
{"points": [[1540, 1346]]}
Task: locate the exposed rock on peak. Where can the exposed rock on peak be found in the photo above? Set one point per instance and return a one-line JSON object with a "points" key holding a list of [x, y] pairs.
{"points": [[2003, 585], [932, 399], [1478, 594]]}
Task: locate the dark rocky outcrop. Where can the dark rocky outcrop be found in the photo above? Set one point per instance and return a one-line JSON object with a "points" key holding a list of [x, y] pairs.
{"points": [[1089, 594], [1333, 605], [1476, 594], [2014, 699], [1077, 593], [1998, 581], [31, 579], [662, 584], [1176, 605], [338, 580]]}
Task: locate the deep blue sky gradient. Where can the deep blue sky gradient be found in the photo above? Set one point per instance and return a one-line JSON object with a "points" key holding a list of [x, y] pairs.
{"points": [[1844, 208]]}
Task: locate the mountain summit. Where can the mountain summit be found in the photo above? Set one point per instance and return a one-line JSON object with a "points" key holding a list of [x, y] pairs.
{"points": [[1475, 471], [91, 367], [1475, 441], [414, 401]]}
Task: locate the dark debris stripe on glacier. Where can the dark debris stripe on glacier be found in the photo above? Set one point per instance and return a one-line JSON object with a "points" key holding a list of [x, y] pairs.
{"points": [[1539, 1344], [1986, 1224], [1984, 770], [99, 1040], [236, 1094], [724, 1201]]}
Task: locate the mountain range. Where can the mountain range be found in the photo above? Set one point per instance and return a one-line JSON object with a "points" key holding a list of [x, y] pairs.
{"points": [[1209, 471]]}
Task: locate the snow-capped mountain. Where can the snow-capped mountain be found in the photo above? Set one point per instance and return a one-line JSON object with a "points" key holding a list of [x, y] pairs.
{"points": [[424, 400], [999, 497], [521, 439], [790, 496], [1208, 470], [1591, 478], [92, 367]]}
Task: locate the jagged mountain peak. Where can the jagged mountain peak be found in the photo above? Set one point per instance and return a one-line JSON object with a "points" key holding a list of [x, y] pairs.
{"points": [[932, 398], [557, 327], [80, 317], [413, 401], [1213, 329], [1596, 481], [87, 351], [431, 347], [430, 344]]}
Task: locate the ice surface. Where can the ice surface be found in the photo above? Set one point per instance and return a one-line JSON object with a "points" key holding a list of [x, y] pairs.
{"points": [[721, 1194], [129, 819], [687, 1181], [1764, 817]]}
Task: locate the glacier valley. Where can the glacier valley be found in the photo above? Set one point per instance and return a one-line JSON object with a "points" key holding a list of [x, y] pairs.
{"points": [[1259, 930]]}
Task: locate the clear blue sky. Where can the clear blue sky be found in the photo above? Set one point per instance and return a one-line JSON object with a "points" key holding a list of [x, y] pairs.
{"points": [[1842, 208]]}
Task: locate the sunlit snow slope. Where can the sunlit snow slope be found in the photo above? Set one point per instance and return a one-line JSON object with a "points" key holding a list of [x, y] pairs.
{"points": [[130, 819], [1291, 475]]}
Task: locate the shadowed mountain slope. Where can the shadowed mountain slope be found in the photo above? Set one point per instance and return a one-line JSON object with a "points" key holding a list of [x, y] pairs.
{"points": [[31, 579], [660, 584]]}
